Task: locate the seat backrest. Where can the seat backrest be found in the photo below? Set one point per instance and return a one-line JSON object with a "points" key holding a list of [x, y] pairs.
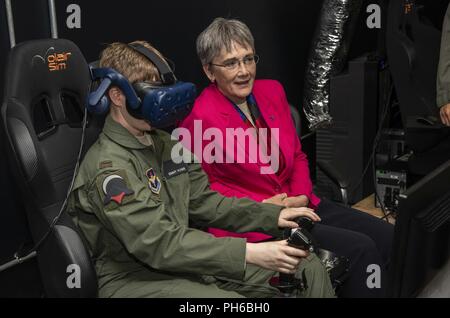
{"points": [[413, 47], [47, 82]]}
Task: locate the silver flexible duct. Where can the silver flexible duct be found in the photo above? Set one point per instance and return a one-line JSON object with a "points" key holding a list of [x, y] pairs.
{"points": [[328, 56]]}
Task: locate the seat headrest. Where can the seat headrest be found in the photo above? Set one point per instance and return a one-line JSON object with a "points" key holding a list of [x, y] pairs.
{"points": [[46, 84], [45, 66]]}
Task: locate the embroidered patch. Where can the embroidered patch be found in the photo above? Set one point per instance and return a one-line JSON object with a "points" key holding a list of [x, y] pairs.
{"points": [[115, 189], [153, 181]]}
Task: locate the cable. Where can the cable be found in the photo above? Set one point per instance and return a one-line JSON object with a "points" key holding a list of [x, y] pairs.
{"points": [[75, 171], [18, 259], [377, 196], [374, 150], [387, 216]]}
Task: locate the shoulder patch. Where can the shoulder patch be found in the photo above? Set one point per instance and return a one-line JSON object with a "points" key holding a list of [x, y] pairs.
{"points": [[114, 188]]}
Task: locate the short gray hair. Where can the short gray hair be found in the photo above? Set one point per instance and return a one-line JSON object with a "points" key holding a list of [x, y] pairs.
{"points": [[220, 34]]}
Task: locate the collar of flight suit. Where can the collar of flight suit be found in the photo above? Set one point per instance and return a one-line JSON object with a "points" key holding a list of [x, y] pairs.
{"points": [[120, 135]]}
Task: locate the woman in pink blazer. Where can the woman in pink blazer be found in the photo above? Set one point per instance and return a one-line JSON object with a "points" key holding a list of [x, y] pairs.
{"points": [[227, 121]]}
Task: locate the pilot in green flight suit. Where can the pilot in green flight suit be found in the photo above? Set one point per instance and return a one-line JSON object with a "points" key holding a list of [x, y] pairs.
{"points": [[142, 214]]}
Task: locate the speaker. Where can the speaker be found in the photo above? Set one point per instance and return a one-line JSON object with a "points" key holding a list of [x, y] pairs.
{"points": [[347, 143]]}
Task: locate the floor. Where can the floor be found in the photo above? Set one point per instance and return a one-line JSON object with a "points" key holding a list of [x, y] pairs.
{"points": [[368, 205], [439, 287]]}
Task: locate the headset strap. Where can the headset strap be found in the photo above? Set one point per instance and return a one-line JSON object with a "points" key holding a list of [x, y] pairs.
{"points": [[165, 72]]}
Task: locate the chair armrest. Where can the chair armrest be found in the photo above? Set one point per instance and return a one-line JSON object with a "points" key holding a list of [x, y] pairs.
{"points": [[329, 170], [335, 176]]}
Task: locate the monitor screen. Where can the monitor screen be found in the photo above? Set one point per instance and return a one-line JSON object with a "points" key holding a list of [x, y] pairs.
{"points": [[422, 233]]}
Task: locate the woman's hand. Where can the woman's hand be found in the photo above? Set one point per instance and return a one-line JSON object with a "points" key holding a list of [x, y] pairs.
{"points": [[276, 199], [275, 256], [285, 220], [296, 202], [282, 199]]}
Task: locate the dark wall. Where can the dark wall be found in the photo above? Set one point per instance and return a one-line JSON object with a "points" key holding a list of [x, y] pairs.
{"points": [[4, 43], [282, 31], [434, 11]]}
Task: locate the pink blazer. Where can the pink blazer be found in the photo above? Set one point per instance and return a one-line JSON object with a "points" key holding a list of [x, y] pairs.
{"points": [[245, 179]]}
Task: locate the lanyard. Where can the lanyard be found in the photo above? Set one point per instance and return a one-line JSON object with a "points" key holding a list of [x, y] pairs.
{"points": [[252, 106]]}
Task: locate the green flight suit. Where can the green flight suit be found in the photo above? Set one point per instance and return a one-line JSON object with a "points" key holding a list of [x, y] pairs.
{"points": [[150, 244], [443, 72]]}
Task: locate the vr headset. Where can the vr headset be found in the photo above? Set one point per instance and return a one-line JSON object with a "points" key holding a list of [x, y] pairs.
{"points": [[162, 105]]}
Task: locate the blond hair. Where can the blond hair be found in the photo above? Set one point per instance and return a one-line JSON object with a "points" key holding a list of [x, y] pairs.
{"points": [[130, 63]]}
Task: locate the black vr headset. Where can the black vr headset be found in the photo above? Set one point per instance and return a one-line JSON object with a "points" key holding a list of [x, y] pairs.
{"points": [[162, 105]]}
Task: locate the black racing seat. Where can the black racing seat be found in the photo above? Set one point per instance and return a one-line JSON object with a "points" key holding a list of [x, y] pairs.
{"points": [[330, 172], [44, 97], [413, 50]]}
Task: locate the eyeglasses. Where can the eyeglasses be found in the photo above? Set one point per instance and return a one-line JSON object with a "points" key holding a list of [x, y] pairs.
{"points": [[233, 64]]}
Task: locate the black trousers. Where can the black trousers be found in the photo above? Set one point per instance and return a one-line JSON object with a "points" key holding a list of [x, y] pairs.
{"points": [[362, 238]]}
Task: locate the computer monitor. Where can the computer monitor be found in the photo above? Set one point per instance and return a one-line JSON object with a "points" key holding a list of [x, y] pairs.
{"points": [[422, 233]]}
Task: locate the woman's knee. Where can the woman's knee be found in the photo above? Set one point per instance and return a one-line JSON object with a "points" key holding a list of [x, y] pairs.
{"points": [[365, 252]]}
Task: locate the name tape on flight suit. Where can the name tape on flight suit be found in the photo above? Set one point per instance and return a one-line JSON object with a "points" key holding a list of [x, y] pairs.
{"points": [[172, 169]]}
